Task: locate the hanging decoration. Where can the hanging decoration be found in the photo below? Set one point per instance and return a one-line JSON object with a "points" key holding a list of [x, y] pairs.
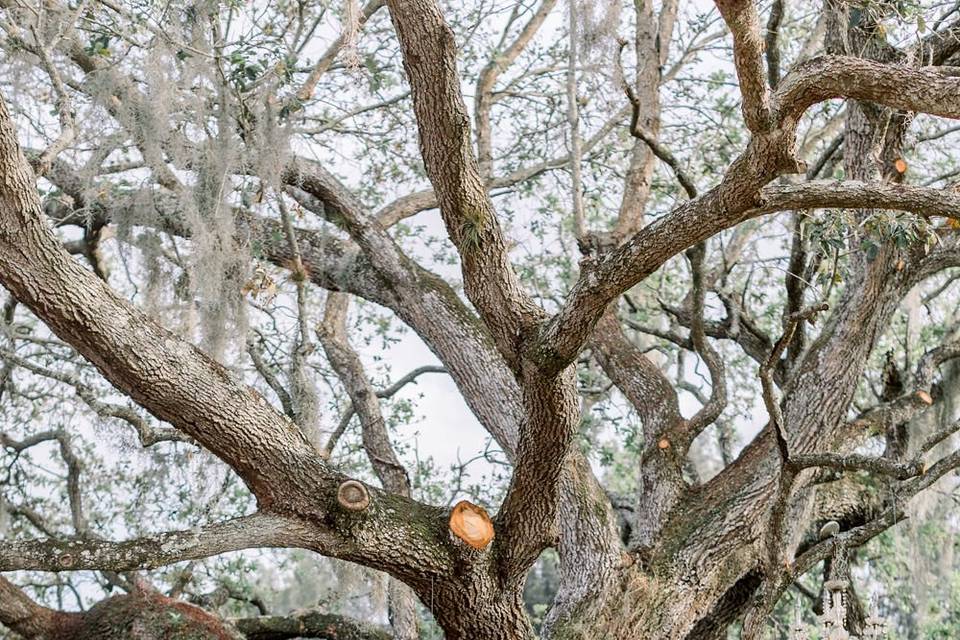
{"points": [[833, 620]]}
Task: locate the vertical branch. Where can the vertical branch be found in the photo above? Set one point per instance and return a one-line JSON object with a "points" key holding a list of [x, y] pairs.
{"points": [[348, 367], [305, 92], [68, 129], [637, 130], [771, 42], [744, 23], [795, 286], [715, 405], [73, 485], [429, 51], [303, 415], [651, 46], [787, 473], [376, 440], [573, 119]]}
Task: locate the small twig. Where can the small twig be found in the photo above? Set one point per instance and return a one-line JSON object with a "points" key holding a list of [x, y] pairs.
{"points": [[147, 434]]}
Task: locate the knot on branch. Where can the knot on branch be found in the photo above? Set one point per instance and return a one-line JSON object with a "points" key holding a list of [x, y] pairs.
{"points": [[353, 495], [471, 524]]}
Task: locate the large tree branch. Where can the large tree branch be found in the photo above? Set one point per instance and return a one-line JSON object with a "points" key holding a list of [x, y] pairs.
{"points": [[258, 530], [346, 363], [932, 90], [744, 23], [740, 194], [413, 203], [701, 218], [425, 302], [166, 375], [429, 55], [528, 517], [420, 298], [639, 379], [178, 383], [376, 439], [884, 520], [821, 194], [27, 618]]}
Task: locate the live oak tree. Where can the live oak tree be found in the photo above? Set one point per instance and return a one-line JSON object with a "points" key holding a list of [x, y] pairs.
{"points": [[193, 195]]}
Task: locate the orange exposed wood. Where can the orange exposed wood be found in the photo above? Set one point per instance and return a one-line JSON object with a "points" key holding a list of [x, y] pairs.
{"points": [[471, 524]]}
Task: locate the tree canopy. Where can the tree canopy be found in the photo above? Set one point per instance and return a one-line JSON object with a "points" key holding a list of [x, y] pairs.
{"points": [[478, 320]]}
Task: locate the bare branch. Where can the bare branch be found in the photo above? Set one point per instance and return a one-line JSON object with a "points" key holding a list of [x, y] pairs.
{"points": [[573, 121], [710, 411], [771, 42], [638, 131], [856, 462], [429, 53], [268, 375], [696, 220], [258, 530], [147, 433], [68, 129], [345, 361], [389, 392]]}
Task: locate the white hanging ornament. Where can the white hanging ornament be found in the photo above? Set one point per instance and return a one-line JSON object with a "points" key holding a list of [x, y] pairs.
{"points": [[833, 621], [798, 630]]}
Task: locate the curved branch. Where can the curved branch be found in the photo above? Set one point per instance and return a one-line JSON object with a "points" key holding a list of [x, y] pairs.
{"points": [[413, 203], [305, 92], [887, 518], [562, 337], [178, 383], [332, 334], [932, 90], [717, 402], [484, 97], [27, 618]]}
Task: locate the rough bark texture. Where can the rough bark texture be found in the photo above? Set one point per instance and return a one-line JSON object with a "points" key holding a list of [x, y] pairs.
{"points": [[692, 557]]}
